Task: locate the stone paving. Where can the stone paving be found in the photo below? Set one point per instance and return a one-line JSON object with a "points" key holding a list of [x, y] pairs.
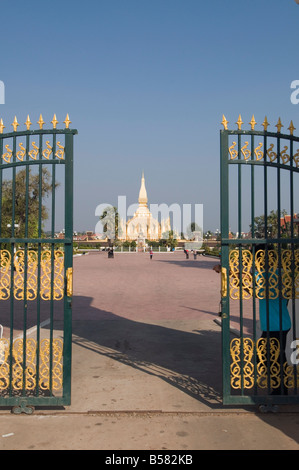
{"points": [[155, 316], [146, 370]]}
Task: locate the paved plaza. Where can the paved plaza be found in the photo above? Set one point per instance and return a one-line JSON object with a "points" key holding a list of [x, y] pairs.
{"points": [[146, 371], [155, 316]]}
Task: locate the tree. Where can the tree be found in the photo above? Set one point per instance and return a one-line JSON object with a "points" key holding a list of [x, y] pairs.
{"points": [[193, 227], [171, 240], [23, 199], [259, 225], [110, 221]]}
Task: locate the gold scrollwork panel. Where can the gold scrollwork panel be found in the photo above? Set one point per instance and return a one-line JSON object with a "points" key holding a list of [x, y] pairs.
{"points": [[35, 153], [51, 275], [243, 272], [5, 263], [272, 274], [4, 364], [57, 290], [57, 368], [243, 356], [241, 277], [239, 377], [17, 379], [258, 153], [30, 269], [287, 277], [262, 365]]}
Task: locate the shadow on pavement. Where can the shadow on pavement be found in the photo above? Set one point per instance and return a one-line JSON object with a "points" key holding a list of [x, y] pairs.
{"points": [[189, 361], [185, 360], [192, 263]]}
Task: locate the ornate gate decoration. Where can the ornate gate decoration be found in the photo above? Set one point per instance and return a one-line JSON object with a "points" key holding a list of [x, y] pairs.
{"points": [[36, 195], [260, 264]]}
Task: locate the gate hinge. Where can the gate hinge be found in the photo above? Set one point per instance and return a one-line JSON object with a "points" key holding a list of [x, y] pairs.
{"points": [[69, 282], [223, 282]]}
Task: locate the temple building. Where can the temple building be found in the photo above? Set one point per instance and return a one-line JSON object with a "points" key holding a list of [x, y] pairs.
{"points": [[143, 226]]}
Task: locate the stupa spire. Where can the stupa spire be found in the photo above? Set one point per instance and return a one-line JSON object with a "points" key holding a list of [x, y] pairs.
{"points": [[142, 193]]}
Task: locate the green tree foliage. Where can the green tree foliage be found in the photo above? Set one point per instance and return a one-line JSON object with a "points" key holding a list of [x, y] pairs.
{"points": [[171, 241], [31, 199], [272, 224], [110, 221]]}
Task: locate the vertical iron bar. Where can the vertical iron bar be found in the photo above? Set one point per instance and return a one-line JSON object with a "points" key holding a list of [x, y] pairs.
{"points": [[27, 179], [279, 260], [13, 214], [12, 262], [240, 261], [253, 263], [224, 214], [25, 318], [265, 187], [53, 209], [239, 188], [39, 271], [40, 188], [27, 186], [1, 181], [38, 289], [266, 260], [68, 264], [293, 293]]}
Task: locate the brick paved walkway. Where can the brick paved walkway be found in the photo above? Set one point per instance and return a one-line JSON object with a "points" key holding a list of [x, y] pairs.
{"points": [[146, 370], [133, 286], [155, 316]]}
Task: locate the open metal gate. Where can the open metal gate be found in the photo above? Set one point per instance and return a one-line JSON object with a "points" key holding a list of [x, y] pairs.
{"points": [[260, 264], [36, 196]]}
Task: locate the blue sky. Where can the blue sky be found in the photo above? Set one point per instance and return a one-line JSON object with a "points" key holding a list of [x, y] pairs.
{"points": [[146, 84]]}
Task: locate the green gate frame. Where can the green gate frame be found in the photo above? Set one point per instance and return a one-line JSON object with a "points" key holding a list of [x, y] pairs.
{"points": [[240, 361], [31, 369]]}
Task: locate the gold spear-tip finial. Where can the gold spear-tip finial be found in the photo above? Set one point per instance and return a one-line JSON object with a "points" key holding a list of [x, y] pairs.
{"points": [[291, 128], [239, 122], [224, 122], [265, 124], [15, 124], [67, 121], [28, 123], [54, 121], [40, 122], [279, 125], [252, 123], [2, 126]]}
